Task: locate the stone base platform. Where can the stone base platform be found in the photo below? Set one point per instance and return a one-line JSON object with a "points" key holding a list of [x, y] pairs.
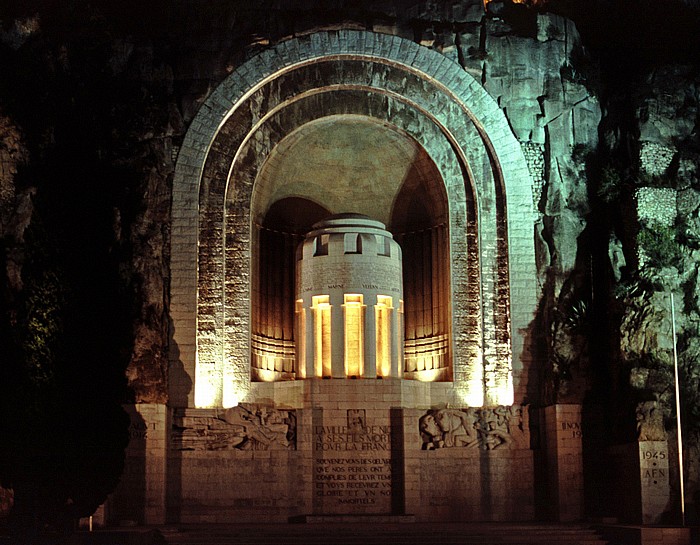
{"points": [[370, 519], [650, 535], [346, 446], [368, 532], [365, 533]]}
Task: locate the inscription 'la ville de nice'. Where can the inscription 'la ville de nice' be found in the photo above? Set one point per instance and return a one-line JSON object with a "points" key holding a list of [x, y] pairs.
{"points": [[343, 438]]}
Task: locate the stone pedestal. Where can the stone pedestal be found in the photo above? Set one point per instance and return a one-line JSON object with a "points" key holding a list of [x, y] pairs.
{"points": [[564, 458], [655, 490], [640, 491], [140, 496]]}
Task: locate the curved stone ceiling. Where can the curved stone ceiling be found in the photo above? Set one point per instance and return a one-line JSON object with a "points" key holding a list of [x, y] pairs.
{"points": [[347, 163]]}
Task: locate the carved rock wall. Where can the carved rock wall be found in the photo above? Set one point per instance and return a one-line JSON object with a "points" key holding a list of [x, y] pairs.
{"points": [[15, 202]]}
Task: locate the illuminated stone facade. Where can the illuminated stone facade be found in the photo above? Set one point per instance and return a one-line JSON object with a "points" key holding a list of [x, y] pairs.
{"points": [[383, 132], [281, 360], [352, 252], [477, 188]]}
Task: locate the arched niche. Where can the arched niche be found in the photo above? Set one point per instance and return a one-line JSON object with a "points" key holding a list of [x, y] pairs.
{"points": [[416, 92], [275, 239], [357, 164]]}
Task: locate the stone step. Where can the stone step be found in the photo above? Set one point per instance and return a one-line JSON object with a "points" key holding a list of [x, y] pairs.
{"points": [[363, 533]]}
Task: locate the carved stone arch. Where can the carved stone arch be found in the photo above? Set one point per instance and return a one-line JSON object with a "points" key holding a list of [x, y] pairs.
{"points": [[228, 127]]}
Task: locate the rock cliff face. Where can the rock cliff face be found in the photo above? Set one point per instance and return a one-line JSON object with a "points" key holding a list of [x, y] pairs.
{"points": [[659, 186], [96, 98], [537, 69], [15, 203]]}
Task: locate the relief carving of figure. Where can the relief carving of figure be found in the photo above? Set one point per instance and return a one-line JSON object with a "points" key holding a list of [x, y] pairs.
{"points": [[262, 425], [246, 426], [518, 425], [494, 428], [449, 428], [488, 428]]}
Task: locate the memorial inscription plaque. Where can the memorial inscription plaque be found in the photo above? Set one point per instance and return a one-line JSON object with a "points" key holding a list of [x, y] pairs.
{"points": [[352, 466]]}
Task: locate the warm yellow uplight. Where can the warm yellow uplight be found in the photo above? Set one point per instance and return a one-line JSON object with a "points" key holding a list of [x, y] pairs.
{"points": [[473, 397], [322, 335], [205, 394], [231, 398], [207, 385], [473, 392], [500, 391], [354, 335], [430, 375], [382, 313], [300, 338]]}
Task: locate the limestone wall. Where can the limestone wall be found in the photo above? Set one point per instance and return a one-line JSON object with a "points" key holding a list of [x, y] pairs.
{"points": [[351, 449], [162, 83]]}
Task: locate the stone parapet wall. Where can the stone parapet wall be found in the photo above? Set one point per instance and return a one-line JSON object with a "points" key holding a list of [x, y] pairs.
{"points": [[385, 393], [230, 485], [346, 457], [470, 485]]}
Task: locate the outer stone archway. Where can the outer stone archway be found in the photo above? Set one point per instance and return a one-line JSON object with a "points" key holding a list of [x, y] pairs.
{"points": [[417, 91], [245, 158]]}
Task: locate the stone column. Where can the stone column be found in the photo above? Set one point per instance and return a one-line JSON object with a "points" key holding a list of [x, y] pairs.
{"points": [[337, 337], [309, 348], [564, 454], [370, 341], [396, 360]]}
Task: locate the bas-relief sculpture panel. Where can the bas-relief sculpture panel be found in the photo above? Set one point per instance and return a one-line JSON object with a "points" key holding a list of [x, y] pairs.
{"points": [[257, 427], [486, 428], [247, 426]]}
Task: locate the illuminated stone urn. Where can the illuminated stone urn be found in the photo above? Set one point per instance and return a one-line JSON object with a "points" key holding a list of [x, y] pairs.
{"points": [[349, 300]]}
